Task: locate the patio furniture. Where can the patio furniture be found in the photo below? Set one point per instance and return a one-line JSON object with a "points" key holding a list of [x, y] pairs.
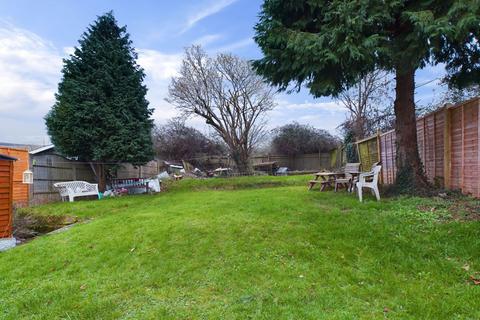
{"points": [[327, 179], [351, 170], [131, 184], [355, 178], [282, 171], [73, 189], [369, 180]]}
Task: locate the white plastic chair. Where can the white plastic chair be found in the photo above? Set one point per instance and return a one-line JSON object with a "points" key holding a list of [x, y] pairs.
{"points": [[369, 180]]}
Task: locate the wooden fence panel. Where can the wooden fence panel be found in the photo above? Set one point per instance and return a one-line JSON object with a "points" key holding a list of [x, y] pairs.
{"points": [[304, 162], [51, 168], [430, 131], [387, 157], [470, 165], [148, 170], [448, 145], [456, 136], [368, 152], [439, 141]]}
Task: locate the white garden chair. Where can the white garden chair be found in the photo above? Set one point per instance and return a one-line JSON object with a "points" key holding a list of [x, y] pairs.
{"points": [[369, 180], [73, 189]]}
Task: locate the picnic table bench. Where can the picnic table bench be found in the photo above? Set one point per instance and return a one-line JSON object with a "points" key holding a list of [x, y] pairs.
{"points": [[327, 179], [345, 178]]}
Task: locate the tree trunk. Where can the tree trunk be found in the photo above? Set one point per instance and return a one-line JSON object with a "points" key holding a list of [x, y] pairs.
{"points": [[102, 181], [241, 159], [410, 173]]}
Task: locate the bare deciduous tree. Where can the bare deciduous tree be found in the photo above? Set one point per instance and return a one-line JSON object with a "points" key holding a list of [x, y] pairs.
{"points": [[369, 105], [228, 94]]}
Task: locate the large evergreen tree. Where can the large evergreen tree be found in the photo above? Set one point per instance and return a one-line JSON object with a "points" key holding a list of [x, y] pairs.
{"points": [[101, 114], [329, 45]]}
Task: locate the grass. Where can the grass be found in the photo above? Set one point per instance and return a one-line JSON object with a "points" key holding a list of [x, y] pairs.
{"points": [[246, 248]]}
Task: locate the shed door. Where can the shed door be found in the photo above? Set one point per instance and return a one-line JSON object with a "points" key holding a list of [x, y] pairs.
{"points": [[6, 175]]}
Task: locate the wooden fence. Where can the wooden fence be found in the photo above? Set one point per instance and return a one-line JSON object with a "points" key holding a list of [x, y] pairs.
{"points": [[448, 143], [148, 170], [304, 162], [51, 168]]}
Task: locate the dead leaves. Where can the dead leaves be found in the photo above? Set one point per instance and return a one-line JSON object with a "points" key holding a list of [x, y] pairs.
{"points": [[475, 278]]}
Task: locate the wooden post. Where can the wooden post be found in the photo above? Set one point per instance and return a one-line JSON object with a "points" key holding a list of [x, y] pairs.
{"points": [[393, 146], [447, 149], [478, 148], [379, 158], [424, 160], [434, 147], [358, 152], [10, 222], [463, 148], [368, 153]]}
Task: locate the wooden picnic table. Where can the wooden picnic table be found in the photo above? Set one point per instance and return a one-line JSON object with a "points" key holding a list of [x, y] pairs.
{"points": [[349, 182], [327, 179]]}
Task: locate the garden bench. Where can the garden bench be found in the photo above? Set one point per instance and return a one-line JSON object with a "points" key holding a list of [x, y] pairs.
{"points": [[73, 189]]}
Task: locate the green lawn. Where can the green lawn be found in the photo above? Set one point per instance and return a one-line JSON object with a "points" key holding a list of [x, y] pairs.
{"points": [[246, 248]]}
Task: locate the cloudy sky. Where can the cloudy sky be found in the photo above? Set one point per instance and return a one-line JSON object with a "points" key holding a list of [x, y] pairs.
{"points": [[36, 35]]}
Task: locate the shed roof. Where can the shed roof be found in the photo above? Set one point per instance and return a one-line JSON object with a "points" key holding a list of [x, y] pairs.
{"points": [[7, 158], [42, 149]]}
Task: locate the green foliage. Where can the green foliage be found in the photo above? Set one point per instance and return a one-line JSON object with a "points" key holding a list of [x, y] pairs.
{"points": [[330, 45], [177, 141], [295, 138], [350, 147], [101, 113], [216, 249]]}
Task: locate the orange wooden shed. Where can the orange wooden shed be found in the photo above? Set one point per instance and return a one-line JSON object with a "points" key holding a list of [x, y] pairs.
{"points": [[6, 195], [22, 163]]}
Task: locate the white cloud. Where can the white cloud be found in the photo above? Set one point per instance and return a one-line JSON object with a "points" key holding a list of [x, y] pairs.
{"points": [[30, 70], [331, 106], [211, 8], [208, 39], [325, 115], [159, 69], [158, 65], [235, 45]]}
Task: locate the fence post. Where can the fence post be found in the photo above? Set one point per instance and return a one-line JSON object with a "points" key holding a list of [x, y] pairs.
{"points": [[447, 149], [359, 155], [478, 146], [462, 186], [379, 157]]}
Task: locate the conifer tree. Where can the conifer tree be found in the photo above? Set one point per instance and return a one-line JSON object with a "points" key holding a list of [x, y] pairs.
{"points": [[101, 114]]}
